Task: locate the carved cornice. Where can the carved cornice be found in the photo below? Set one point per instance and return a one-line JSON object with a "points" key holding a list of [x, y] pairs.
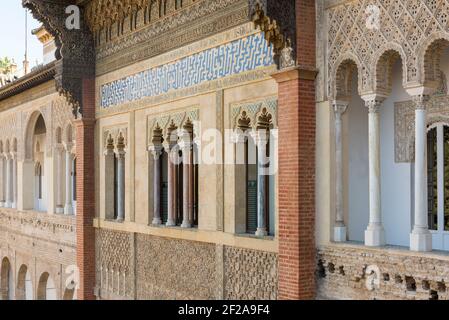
{"points": [[75, 49]]}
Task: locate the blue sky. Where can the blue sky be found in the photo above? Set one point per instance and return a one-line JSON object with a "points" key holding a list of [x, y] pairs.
{"points": [[12, 33]]}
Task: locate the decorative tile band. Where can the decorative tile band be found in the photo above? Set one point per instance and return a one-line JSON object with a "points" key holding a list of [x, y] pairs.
{"points": [[232, 58]]}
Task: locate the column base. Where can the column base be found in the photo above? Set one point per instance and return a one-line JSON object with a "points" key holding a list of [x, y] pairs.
{"points": [[170, 224], [261, 232], [156, 222], [8, 204], [421, 241], [13, 205], [119, 220], [340, 234], [59, 210], [186, 225], [2, 204], [374, 236], [68, 210]]}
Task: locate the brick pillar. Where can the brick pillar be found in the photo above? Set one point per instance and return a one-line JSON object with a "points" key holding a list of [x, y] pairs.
{"points": [[85, 191], [297, 125]]}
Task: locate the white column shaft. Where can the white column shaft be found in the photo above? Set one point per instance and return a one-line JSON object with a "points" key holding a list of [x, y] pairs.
{"points": [[374, 234], [421, 238]]}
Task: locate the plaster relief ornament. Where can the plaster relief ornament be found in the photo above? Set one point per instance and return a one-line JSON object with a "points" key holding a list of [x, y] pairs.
{"points": [[373, 19]]}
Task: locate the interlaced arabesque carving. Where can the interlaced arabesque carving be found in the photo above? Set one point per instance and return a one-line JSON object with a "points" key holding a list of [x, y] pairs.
{"points": [[248, 113], [115, 262], [410, 28], [176, 120], [114, 135], [404, 124], [250, 274]]}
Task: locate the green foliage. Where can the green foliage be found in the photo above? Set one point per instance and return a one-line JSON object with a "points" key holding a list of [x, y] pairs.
{"points": [[5, 65]]}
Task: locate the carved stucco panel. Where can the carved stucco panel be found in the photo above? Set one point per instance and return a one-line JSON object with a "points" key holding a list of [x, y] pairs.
{"points": [[407, 26], [404, 122]]}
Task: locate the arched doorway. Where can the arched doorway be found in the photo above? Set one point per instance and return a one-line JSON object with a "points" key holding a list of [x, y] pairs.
{"points": [[6, 281], [69, 294], [46, 289], [24, 284], [36, 165]]}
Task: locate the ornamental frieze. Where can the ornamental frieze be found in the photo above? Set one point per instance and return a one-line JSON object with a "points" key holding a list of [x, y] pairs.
{"points": [[236, 57]]}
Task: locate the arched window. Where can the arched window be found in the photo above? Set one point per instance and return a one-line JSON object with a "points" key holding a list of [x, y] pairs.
{"points": [[254, 176], [39, 186], [6, 281], [438, 184], [115, 179], [175, 177]]}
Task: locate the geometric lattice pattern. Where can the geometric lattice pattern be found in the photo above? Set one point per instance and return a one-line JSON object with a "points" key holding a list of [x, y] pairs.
{"points": [[406, 26], [250, 274]]}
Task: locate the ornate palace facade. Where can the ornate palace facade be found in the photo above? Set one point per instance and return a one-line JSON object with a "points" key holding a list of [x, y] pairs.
{"points": [[177, 161]]}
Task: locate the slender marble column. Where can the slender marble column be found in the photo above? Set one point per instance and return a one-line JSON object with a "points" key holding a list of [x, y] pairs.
{"points": [[339, 227], [59, 180], [172, 154], [121, 185], [262, 139], [375, 233], [421, 238], [68, 210], [187, 183], [157, 152], [14, 180], [8, 181]]}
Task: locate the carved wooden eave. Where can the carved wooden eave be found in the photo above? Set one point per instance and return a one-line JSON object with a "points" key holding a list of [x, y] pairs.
{"points": [[32, 79], [75, 52], [277, 19]]}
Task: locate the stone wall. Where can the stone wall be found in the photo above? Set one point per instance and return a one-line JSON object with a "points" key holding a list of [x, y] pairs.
{"points": [[357, 272], [168, 268], [40, 243]]}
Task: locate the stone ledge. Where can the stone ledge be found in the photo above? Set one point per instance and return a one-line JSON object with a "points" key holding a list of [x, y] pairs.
{"points": [[268, 244], [401, 274]]}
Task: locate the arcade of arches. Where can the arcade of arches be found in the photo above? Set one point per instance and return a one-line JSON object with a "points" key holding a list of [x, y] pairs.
{"points": [[383, 114]]}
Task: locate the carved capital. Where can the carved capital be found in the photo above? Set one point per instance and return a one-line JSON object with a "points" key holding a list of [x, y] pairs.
{"points": [[421, 101], [373, 106], [340, 107]]}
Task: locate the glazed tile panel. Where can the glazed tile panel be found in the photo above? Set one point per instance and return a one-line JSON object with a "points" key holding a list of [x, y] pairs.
{"points": [[239, 56]]}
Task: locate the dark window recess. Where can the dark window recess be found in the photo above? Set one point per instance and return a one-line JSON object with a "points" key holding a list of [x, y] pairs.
{"points": [[251, 220], [432, 179]]}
